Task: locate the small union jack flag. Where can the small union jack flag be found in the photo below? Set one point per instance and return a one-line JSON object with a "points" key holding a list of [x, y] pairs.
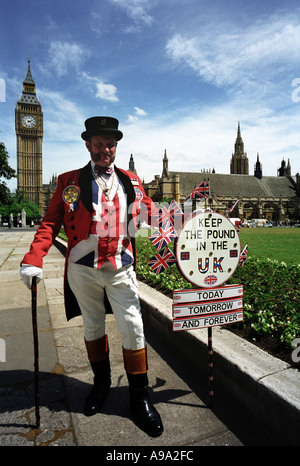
{"points": [[162, 261], [239, 226], [210, 280], [171, 213], [201, 191], [162, 237], [244, 255], [185, 256]]}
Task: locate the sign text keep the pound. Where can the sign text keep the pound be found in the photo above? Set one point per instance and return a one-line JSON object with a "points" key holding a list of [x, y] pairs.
{"points": [[208, 249]]}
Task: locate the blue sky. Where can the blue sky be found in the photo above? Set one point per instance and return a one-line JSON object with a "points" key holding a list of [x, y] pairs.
{"points": [[178, 74]]}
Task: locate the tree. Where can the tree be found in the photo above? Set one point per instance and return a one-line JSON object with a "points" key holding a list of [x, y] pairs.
{"points": [[16, 202], [7, 173]]}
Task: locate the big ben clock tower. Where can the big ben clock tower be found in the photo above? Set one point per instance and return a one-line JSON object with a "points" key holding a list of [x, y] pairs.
{"points": [[29, 131]]}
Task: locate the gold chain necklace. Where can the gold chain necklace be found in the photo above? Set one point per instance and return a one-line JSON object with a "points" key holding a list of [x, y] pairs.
{"points": [[106, 191]]}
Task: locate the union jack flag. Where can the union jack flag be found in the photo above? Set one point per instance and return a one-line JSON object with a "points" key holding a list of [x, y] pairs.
{"points": [[210, 280], [201, 191], [243, 255], [162, 261], [162, 237], [171, 213], [231, 208], [185, 256], [239, 226]]}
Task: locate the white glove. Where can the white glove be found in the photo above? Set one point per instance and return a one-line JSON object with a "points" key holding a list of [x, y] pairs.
{"points": [[28, 271]]}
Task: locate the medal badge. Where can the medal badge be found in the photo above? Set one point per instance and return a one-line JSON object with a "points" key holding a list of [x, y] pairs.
{"points": [[70, 196]]}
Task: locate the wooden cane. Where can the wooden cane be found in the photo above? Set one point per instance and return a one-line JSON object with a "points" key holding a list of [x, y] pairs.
{"points": [[36, 352]]}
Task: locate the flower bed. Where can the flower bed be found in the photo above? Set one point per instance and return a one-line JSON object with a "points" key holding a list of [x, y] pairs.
{"points": [[271, 298]]}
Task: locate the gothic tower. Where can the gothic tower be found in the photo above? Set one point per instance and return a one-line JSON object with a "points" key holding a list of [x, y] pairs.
{"points": [[258, 169], [165, 171], [131, 165], [29, 131], [239, 164]]}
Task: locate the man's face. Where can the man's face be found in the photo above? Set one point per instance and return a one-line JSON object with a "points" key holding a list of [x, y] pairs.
{"points": [[102, 150]]}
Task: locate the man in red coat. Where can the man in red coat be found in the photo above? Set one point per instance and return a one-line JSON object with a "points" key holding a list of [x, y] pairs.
{"points": [[98, 206]]}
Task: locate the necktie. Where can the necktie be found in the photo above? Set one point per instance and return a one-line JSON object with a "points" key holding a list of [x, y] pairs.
{"points": [[103, 170]]}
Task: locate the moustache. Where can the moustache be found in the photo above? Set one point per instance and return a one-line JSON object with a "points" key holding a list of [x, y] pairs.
{"points": [[97, 157]]}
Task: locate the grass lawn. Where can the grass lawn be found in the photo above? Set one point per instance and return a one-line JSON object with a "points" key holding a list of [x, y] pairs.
{"points": [[280, 243]]}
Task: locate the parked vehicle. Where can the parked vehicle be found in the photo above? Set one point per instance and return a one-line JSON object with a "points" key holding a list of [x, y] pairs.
{"points": [[261, 222]]}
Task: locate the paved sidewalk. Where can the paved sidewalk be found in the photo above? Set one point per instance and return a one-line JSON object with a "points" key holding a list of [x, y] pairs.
{"points": [[65, 375]]}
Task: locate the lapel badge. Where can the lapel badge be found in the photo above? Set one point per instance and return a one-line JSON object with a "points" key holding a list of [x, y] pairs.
{"points": [[70, 196]]}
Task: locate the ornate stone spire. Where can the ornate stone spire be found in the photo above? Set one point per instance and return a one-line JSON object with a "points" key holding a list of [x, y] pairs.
{"points": [[29, 91], [239, 161], [165, 171], [29, 79], [258, 168], [131, 165]]}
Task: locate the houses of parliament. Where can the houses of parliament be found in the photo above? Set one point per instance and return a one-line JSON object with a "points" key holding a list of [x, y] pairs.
{"points": [[276, 198]]}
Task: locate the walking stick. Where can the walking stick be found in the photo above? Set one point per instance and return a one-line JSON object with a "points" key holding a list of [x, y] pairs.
{"points": [[36, 352]]}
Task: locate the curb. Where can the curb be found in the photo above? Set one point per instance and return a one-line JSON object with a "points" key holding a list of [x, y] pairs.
{"points": [[265, 387]]}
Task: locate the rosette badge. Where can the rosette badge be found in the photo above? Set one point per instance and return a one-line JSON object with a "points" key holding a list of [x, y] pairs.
{"points": [[70, 196]]}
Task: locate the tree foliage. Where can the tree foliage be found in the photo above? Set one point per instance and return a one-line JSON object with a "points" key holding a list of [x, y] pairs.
{"points": [[13, 203], [6, 173], [16, 202]]}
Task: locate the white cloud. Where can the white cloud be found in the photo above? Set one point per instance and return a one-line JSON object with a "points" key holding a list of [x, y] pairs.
{"points": [[106, 91], [137, 10], [64, 56], [139, 112], [205, 140], [242, 56]]}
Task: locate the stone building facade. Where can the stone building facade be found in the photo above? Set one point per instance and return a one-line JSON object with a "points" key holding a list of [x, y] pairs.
{"points": [[276, 198]]}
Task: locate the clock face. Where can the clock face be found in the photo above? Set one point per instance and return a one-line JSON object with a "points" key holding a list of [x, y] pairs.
{"points": [[28, 121]]}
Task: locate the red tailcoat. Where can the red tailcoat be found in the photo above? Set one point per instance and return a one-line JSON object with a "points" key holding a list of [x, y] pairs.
{"points": [[77, 222]]}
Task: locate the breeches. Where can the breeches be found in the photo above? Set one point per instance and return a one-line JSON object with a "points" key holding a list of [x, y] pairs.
{"points": [[88, 286]]}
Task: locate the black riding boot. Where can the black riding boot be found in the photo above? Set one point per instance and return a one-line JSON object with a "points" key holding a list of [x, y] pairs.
{"points": [[102, 382], [141, 406]]}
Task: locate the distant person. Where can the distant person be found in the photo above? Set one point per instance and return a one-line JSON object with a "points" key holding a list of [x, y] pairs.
{"points": [[98, 205]]}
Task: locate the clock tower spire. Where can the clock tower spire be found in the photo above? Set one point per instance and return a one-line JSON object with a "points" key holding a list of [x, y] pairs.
{"points": [[29, 132]]}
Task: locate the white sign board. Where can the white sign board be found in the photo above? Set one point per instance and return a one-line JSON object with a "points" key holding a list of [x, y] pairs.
{"points": [[212, 307], [194, 294], [208, 249], [194, 323]]}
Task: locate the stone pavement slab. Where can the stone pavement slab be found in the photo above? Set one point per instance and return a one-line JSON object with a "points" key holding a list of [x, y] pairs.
{"points": [[66, 377]]}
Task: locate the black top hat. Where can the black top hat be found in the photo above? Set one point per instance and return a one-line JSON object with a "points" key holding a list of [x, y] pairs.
{"points": [[101, 125]]}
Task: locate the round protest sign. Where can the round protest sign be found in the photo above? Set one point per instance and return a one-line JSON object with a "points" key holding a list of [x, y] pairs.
{"points": [[208, 249]]}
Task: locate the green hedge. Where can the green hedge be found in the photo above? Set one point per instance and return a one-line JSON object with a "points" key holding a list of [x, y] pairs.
{"points": [[271, 292]]}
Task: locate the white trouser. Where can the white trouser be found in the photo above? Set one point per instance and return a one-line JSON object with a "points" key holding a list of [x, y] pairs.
{"points": [[121, 288]]}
